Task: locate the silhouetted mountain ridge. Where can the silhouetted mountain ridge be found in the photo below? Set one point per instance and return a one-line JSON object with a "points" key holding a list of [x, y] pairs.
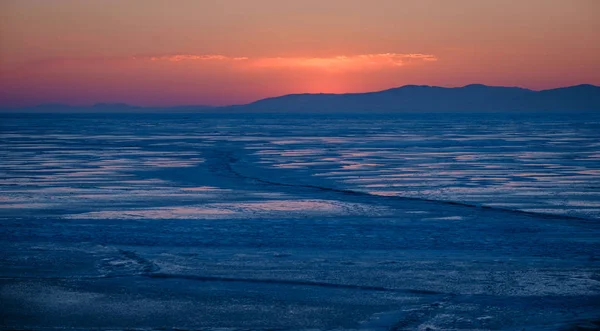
{"points": [[473, 97], [107, 108], [408, 98]]}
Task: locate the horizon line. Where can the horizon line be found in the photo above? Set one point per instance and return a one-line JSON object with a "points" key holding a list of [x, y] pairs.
{"points": [[125, 104]]}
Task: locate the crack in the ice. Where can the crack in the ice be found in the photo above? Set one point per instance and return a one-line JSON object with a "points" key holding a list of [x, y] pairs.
{"points": [[288, 282], [225, 161], [147, 265]]}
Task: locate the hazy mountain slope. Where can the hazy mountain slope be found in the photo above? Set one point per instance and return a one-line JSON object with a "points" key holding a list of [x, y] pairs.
{"points": [[430, 98], [409, 98]]}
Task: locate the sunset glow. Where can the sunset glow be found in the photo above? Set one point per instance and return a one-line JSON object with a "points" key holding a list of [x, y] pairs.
{"points": [[234, 51], [340, 62]]}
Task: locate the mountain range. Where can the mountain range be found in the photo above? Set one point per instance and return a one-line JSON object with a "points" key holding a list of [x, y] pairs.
{"points": [[415, 98], [409, 98]]}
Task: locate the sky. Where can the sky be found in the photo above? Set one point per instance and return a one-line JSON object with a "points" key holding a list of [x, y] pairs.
{"points": [[222, 52]]}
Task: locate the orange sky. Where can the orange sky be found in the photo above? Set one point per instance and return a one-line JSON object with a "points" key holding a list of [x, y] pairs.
{"points": [[178, 52]]}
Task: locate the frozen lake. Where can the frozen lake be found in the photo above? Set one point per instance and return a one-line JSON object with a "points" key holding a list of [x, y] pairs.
{"points": [[374, 222]]}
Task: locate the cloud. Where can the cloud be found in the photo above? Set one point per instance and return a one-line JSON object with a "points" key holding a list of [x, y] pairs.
{"points": [[332, 63], [190, 57], [103, 64], [344, 62]]}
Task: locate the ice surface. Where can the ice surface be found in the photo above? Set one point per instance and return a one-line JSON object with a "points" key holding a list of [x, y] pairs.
{"points": [[373, 222]]}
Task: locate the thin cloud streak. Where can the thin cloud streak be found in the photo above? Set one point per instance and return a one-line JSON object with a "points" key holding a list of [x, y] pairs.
{"points": [[190, 57], [341, 63], [334, 63]]}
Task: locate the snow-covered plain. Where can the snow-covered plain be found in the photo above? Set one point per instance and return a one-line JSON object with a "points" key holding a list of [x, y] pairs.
{"points": [[375, 222]]}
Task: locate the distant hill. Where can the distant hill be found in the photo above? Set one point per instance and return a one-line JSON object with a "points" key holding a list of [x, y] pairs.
{"points": [[409, 98], [472, 98], [106, 108]]}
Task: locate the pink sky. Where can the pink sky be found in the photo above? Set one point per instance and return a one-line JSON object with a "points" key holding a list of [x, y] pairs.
{"points": [[158, 53]]}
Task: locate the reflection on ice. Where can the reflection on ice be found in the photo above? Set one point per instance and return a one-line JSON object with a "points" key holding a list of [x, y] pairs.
{"points": [[158, 213], [25, 205], [245, 210], [201, 189], [446, 218], [207, 217], [352, 166], [483, 164], [478, 161]]}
